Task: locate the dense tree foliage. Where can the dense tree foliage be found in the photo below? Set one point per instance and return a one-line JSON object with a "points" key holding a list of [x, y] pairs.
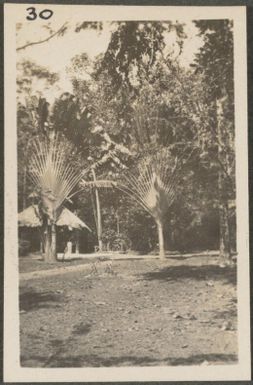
{"points": [[134, 102], [215, 63]]}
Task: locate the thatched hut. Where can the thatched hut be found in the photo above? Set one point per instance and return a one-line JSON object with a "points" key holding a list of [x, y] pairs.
{"points": [[69, 219], [30, 218]]}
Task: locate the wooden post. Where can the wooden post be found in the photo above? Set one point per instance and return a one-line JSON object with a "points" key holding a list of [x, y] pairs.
{"points": [[77, 242], [99, 217]]}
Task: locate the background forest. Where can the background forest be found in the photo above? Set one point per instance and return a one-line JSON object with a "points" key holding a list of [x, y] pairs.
{"points": [[150, 139]]}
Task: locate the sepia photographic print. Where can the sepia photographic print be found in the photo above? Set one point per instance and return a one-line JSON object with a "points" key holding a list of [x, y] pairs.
{"points": [[126, 193]]}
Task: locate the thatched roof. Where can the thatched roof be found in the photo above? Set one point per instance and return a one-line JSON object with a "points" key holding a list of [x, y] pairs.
{"points": [[67, 218], [30, 218]]}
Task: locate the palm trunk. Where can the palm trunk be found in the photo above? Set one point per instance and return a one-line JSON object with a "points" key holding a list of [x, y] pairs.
{"points": [[47, 243], [160, 239], [50, 244], [99, 217], [53, 243]]}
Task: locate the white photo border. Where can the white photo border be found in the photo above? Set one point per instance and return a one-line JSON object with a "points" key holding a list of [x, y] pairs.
{"points": [[13, 372]]}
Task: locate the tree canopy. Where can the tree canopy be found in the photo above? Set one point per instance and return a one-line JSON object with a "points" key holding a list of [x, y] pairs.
{"points": [[135, 106]]}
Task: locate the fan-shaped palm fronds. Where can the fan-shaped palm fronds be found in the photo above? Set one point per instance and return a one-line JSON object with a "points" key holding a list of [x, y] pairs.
{"points": [[53, 177], [52, 173], [154, 182], [154, 185]]}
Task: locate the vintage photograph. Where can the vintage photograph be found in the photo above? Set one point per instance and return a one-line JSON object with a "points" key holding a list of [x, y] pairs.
{"points": [[127, 209]]}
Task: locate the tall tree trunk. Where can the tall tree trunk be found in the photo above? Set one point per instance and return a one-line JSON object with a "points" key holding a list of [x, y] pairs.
{"points": [[42, 241], [117, 219], [225, 252], [160, 239], [225, 247], [99, 217], [24, 188]]}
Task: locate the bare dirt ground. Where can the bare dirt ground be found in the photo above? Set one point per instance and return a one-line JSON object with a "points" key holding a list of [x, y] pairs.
{"points": [[181, 311]]}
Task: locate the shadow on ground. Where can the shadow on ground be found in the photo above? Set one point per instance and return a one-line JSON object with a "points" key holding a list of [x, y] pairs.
{"points": [[97, 361], [82, 328], [226, 314], [33, 300], [198, 273]]}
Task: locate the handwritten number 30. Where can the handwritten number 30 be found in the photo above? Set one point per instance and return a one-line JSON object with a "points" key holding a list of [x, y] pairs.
{"points": [[45, 14]]}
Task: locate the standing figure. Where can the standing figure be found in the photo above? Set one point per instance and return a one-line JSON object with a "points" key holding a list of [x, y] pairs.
{"points": [[68, 251]]}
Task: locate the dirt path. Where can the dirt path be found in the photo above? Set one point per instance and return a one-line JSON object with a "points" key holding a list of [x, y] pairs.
{"points": [[92, 264], [58, 271], [138, 312], [91, 267]]}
